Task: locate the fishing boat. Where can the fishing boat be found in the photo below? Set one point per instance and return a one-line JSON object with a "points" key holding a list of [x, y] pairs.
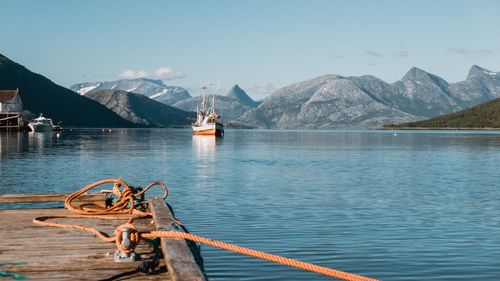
{"points": [[207, 121], [41, 124]]}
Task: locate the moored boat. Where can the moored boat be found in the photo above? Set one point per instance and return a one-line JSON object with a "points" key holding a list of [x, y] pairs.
{"points": [[57, 127], [41, 124], [207, 121]]}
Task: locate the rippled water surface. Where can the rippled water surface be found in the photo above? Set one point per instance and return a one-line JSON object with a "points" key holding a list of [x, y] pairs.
{"points": [[410, 206]]}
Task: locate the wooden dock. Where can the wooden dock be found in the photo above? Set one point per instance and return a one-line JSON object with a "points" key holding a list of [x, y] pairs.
{"points": [[11, 121], [48, 253]]}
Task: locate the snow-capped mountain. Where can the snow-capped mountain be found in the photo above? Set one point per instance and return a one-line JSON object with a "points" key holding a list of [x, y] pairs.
{"points": [[154, 89]]}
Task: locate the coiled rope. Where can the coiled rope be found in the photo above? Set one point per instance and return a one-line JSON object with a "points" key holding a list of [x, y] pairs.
{"points": [[125, 208]]}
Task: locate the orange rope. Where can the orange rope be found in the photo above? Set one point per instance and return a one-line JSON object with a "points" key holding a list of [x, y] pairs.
{"points": [[259, 254], [126, 198], [103, 236], [124, 208], [159, 183]]}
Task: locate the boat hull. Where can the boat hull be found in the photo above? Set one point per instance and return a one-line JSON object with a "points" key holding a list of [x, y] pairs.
{"points": [[40, 128], [216, 129]]}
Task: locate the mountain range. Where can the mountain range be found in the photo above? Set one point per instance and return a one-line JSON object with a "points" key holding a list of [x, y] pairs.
{"points": [[231, 106], [329, 101], [334, 101], [154, 89]]}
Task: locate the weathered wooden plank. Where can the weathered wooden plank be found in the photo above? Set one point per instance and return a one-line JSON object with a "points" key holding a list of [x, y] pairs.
{"points": [[42, 198], [50, 253], [97, 273], [179, 259]]}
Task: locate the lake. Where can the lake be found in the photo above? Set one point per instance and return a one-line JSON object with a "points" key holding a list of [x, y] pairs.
{"points": [[394, 205]]}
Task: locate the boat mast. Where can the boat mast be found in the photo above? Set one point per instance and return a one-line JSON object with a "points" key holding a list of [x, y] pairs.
{"points": [[213, 103], [203, 100], [213, 97]]}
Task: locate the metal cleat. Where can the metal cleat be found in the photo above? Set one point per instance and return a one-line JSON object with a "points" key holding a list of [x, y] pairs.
{"points": [[126, 243], [122, 257]]}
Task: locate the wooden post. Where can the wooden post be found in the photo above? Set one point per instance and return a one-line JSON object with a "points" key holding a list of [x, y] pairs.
{"points": [[179, 259]]}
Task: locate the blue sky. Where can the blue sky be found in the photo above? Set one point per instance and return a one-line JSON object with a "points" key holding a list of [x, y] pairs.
{"points": [[259, 45]]}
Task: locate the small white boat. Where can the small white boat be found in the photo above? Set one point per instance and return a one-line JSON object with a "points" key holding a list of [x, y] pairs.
{"points": [[41, 124]]}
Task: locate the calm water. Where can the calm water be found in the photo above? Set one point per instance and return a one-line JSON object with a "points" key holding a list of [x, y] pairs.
{"points": [[418, 205]]}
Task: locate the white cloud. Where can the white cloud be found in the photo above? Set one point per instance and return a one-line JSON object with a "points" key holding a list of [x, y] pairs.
{"points": [[473, 53], [131, 74], [164, 73], [168, 73]]}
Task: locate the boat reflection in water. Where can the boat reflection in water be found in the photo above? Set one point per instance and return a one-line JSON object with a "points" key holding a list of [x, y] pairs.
{"points": [[204, 147], [205, 159], [21, 142]]}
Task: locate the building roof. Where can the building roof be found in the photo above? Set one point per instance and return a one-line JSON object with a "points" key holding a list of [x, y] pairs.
{"points": [[6, 95]]}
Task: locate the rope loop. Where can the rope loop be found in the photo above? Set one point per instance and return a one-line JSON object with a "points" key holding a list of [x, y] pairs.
{"points": [[127, 238]]}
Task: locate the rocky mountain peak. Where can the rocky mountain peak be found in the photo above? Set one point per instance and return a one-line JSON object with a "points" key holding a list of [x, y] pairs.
{"points": [[240, 95], [415, 74], [477, 71], [422, 77], [236, 87]]}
